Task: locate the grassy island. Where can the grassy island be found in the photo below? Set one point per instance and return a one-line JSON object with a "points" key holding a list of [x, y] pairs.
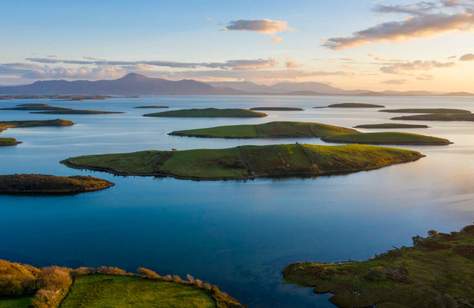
{"points": [[426, 110], [151, 107], [354, 105], [23, 286], [208, 113], [5, 142], [469, 117], [34, 123], [390, 126], [247, 162], [48, 109], [389, 138], [438, 271], [49, 184], [267, 130], [276, 109]]}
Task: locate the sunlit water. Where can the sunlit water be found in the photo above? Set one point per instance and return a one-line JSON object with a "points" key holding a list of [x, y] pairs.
{"points": [[237, 234]]}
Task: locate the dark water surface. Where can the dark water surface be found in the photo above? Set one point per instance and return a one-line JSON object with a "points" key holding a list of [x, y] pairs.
{"points": [[236, 234]]}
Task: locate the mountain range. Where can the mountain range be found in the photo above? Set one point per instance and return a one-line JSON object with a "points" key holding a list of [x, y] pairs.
{"points": [[136, 84]]}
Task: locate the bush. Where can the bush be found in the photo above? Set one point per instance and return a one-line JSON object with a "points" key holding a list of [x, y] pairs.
{"points": [[82, 271], [54, 283], [17, 279], [177, 279], [110, 270], [148, 273]]}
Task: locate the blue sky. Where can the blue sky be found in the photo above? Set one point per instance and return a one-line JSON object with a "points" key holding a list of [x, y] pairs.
{"points": [[194, 31]]}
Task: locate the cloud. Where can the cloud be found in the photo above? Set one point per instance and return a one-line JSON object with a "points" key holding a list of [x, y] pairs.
{"points": [[231, 64], [395, 81], [425, 19], [264, 26], [403, 67], [467, 57]]}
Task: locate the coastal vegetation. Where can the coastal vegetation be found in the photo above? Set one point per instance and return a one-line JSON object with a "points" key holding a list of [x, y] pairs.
{"points": [[48, 109], [23, 285], [276, 109], [267, 130], [247, 162], [437, 271], [208, 113], [389, 138], [391, 126], [328, 133], [49, 184], [354, 105]]}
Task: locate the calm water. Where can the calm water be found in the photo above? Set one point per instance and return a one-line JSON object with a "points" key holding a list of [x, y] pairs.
{"points": [[236, 234]]}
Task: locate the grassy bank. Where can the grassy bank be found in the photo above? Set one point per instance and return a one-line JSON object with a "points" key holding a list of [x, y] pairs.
{"points": [[247, 162], [49, 184], [208, 113], [388, 138], [267, 130], [438, 271]]}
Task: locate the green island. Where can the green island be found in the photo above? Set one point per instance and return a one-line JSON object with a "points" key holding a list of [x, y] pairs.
{"points": [[58, 97], [438, 271], [40, 184], [469, 117], [328, 133], [390, 126], [426, 110], [389, 138], [247, 162], [277, 109], [208, 113], [23, 286], [151, 107], [355, 105], [267, 130], [48, 109], [5, 142]]}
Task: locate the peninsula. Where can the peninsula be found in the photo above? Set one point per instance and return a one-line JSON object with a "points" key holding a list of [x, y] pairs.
{"points": [[247, 162]]}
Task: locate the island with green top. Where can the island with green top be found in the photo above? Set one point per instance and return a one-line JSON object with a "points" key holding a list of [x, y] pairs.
{"points": [[437, 271], [208, 113], [41, 184], [26, 286], [247, 162], [48, 109], [444, 117], [426, 110], [151, 107], [328, 133], [391, 126], [276, 109], [5, 142], [354, 105]]}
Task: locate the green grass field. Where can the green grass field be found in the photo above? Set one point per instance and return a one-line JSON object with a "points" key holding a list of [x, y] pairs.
{"points": [[268, 130], [246, 162], [208, 113], [22, 302], [122, 291], [388, 138], [437, 272]]}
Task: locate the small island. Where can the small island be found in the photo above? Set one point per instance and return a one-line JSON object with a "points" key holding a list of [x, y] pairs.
{"points": [[40, 184], [5, 142], [438, 271], [328, 133], [427, 110], [247, 162], [277, 109], [354, 105], [267, 130], [24, 286], [151, 107], [35, 123], [391, 126], [48, 109], [208, 113], [388, 138], [446, 117]]}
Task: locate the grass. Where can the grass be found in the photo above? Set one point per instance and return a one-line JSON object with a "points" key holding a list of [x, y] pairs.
{"points": [[267, 130], [122, 291], [438, 271], [247, 162], [49, 184], [426, 110], [208, 113], [390, 126], [354, 105], [388, 138], [21, 302], [438, 117], [4, 142], [276, 109]]}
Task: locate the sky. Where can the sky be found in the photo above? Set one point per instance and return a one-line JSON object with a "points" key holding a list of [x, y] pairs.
{"points": [[351, 44]]}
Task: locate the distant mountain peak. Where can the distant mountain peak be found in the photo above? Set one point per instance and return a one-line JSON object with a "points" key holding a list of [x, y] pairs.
{"points": [[133, 76]]}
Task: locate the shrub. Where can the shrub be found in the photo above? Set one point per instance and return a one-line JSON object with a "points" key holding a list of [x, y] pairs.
{"points": [[190, 278], [82, 271], [177, 279], [54, 283], [17, 279], [148, 273], [110, 270]]}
